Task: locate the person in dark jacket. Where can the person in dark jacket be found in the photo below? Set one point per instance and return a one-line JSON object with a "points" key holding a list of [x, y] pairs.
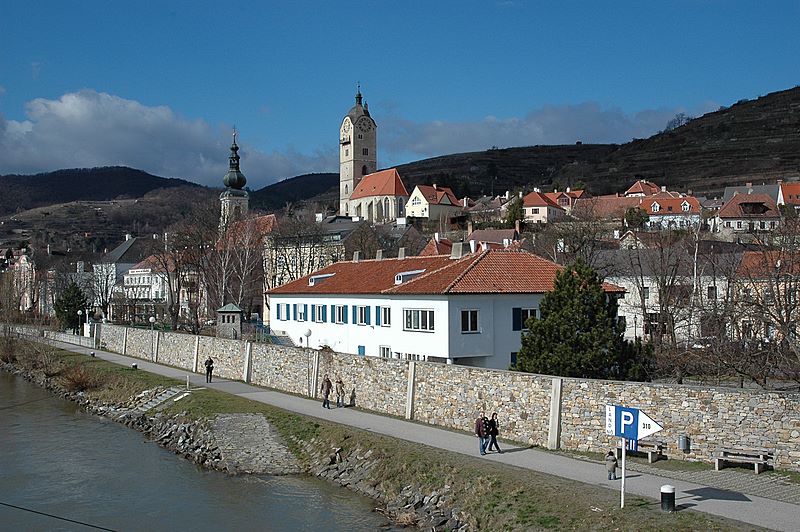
{"points": [[494, 431], [482, 432], [326, 392], [339, 392], [209, 368], [611, 465]]}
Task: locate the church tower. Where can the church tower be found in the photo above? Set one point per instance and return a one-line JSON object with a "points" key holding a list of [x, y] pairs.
{"points": [[358, 151], [234, 202]]}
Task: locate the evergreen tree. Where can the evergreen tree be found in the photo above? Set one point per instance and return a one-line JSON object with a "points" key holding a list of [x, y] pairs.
{"points": [[578, 334], [67, 306], [515, 211]]}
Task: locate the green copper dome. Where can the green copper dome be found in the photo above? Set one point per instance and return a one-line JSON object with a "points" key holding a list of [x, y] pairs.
{"points": [[234, 178]]}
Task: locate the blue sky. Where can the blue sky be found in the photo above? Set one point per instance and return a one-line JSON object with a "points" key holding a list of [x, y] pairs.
{"points": [[158, 85]]}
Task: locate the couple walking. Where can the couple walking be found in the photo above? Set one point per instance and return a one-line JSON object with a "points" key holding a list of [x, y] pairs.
{"points": [[487, 431], [327, 386]]}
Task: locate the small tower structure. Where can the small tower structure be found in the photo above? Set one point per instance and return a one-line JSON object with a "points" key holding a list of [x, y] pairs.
{"points": [[358, 151], [234, 201], [229, 322]]}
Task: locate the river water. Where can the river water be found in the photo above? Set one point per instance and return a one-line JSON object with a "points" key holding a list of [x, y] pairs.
{"points": [[80, 471]]}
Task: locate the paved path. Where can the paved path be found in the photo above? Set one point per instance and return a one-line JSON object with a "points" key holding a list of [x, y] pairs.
{"points": [[753, 509]]}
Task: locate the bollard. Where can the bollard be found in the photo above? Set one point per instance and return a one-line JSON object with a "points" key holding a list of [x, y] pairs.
{"points": [[134, 365], [668, 498], [92, 353]]}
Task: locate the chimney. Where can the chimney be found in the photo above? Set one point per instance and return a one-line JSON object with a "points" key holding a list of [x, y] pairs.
{"points": [[663, 188], [568, 190], [401, 253], [516, 227], [473, 244], [520, 194], [780, 181], [465, 202], [470, 227], [379, 255], [748, 184], [484, 246], [506, 242], [458, 250], [434, 186], [436, 237], [689, 192], [48, 249], [508, 194], [356, 256], [127, 236]]}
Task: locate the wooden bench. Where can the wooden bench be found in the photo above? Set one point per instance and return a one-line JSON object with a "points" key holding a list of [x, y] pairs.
{"points": [[757, 457], [654, 450]]}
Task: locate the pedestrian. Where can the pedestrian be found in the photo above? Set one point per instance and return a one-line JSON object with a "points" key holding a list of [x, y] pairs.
{"points": [[494, 431], [482, 432], [326, 392], [339, 393], [209, 368], [611, 465]]}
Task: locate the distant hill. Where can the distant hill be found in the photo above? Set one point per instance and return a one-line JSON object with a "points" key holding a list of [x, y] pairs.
{"points": [[22, 192], [323, 188]]}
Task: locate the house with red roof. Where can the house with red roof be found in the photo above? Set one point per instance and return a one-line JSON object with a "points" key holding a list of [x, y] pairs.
{"points": [[747, 213], [379, 197], [667, 212], [789, 194], [464, 308], [566, 199], [433, 202], [539, 208], [642, 188]]}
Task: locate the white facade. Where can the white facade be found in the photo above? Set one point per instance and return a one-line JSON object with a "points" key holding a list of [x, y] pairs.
{"points": [[419, 207], [543, 214], [490, 344]]}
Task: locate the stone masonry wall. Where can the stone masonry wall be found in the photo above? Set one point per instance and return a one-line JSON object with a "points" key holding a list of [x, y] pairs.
{"points": [[451, 396]]}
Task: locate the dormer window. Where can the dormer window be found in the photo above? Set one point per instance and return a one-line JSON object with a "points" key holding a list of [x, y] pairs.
{"points": [[402, 277], [685, 206], [655, 207]]}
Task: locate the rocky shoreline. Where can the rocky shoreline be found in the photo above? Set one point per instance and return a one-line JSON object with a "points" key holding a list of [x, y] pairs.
{"points": [[196, 441]]}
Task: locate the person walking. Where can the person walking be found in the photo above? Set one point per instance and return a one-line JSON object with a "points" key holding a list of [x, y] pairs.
{"points": [[611, 465], [482, 432], [209, 363], [326, 392], [339, 392], [494, 431]]}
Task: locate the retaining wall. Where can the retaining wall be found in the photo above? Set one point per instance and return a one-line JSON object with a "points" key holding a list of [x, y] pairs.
{"points": [[540, 410]]}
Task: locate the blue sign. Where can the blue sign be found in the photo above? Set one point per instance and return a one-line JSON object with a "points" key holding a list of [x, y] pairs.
{"points": [[629, 423]]}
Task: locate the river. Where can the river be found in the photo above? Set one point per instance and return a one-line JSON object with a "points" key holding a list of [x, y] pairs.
{"points": [[64, 469]]}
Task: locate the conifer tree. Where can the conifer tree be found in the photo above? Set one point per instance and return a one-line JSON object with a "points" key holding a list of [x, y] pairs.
{"points": [[578, 334], [67, 306]]}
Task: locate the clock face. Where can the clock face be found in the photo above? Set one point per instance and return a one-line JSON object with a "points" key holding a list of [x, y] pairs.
{"points": [[364, 125], [346, 126]]}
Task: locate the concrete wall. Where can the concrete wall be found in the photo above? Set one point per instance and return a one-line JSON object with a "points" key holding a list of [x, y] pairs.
{"points": [[534, 409]]}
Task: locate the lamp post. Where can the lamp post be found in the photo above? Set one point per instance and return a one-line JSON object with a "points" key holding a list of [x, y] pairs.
{"points": [[152, 320], [80, 322], [307, 334]]}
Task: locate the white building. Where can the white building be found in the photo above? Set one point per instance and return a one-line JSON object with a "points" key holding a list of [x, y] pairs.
{"points": [[433, 202], [538, 208], [466, 309], [358, 152]]}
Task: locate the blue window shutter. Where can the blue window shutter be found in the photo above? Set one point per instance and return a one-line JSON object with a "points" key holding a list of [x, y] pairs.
{"points": [[333, 314], [377, 315], [294, 311], [305, 311], [344, 313], [324, 309], [366, 310], [279, 311], [516, 319], [355, 315], [313, 312]]}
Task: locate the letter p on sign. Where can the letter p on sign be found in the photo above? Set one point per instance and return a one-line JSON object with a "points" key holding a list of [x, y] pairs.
{"points": [[628, 419]]}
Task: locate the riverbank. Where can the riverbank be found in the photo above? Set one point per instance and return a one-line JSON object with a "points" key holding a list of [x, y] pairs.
{"points": [[414, 483]]}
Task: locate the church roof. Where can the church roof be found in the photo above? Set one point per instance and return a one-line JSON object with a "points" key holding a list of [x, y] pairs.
{"points": [[358, 110], [383, 183]]}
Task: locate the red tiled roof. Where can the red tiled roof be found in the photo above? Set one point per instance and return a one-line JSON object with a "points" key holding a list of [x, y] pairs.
{"points": [[537, 199], [383, 183], [156, 263], [572, 195], [441, 247], [734, 209], [791, 193], [605, 207], [493, 271], [643, 187], [248, 233], [762, 264], [670, 205], [435, 195]]}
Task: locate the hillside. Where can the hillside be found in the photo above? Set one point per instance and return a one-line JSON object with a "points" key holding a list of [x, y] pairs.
{"points": [[323, 188], [22, 192]]}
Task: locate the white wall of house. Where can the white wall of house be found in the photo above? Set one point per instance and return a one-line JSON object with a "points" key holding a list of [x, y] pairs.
{"points": [[673, 220], [490, 345], [543, 214]]}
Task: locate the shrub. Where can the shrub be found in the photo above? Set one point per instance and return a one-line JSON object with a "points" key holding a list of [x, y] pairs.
{"points": [[8, 348], [79, 379]]}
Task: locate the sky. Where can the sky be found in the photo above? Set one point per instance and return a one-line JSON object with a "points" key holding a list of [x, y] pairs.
{"points": [[159, 85]]}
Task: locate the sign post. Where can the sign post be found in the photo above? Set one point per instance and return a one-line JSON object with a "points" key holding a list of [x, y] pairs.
{"points": [[628, 424]]}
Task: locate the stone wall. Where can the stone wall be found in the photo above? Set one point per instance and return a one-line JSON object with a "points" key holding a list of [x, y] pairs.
{"points": [[451, 396]]}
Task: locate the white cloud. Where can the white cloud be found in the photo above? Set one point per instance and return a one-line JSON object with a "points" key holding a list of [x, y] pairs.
{"points": [[88, 128], [566, 124]]}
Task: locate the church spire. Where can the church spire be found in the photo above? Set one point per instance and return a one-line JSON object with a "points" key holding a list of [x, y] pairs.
{"points": [[358, 93], [234, 178]]}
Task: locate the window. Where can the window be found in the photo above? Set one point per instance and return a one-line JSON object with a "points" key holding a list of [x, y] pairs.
{"points": [[525, 314], [385, 351], [739, 224], [513, 358], [416, 201], [712, 292], [365, 151], [535, 210], [727, 224], [655, 207], [763, 224], [301, 312], [346, 152], [685, 207], [341, 313], [360, 136], [385, 317], [645, 292], [469, 321], [362, 317], [418, 320]]}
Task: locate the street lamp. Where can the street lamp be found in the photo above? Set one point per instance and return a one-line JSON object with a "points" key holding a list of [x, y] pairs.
{"points": [[152, 321], [80, 322]]}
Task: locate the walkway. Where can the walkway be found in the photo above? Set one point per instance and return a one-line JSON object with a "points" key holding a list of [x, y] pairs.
{"points": [[691, 489]]}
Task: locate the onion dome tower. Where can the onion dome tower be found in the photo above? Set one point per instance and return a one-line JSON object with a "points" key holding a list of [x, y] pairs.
{"points": [[234, 201]]}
